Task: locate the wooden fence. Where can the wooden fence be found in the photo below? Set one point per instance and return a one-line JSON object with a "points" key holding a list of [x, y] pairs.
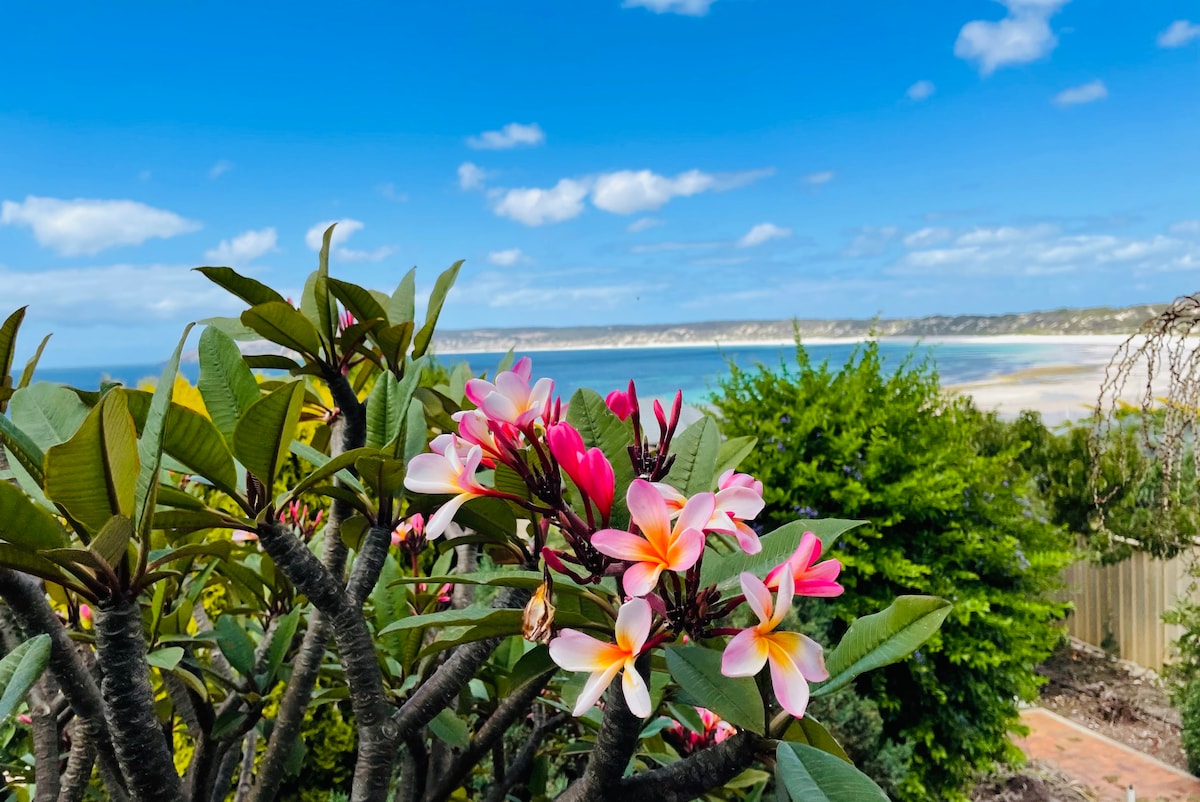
{"points": [[1120, 606]]}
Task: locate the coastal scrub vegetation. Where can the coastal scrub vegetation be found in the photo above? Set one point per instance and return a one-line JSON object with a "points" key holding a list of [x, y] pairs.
{"points": [[398, 582], [952, 510]]}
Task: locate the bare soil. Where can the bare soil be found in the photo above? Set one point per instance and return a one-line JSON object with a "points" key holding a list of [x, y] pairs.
{"points": [[1112, 697]]}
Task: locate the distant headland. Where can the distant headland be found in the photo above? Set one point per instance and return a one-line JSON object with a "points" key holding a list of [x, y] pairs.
{"points": [[1074, 322]]}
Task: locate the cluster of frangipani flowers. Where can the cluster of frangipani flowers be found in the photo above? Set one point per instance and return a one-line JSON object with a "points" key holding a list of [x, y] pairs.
{"points": [[656, 560]]}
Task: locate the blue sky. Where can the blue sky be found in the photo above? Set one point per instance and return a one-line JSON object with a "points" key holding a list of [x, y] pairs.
{"points": [[596, 161]]}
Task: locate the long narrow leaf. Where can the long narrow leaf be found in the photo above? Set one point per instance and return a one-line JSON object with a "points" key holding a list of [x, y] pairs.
{"points": [[19, 670], [436, 299], [150, 444], [251, 291], [226, 383]]}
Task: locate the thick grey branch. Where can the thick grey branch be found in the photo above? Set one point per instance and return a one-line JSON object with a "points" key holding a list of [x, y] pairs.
{"points": [[79, 765], [695, 775]]}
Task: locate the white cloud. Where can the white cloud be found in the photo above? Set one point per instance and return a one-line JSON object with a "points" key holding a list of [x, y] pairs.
{"points": [[243, 248], [220, 168], [1185, 227], [762, 233], [930, 235], [1085, 93], [1179, 33], [871, 241], [1021, 37], [314, 237], [631, 191], [1044, 250], [503, 289], [506, 258], [642, 224], [921, 90], [512, 135], [471, 176], [87, 226], [690, 8], [817, 179], [117, 294], [535, 207]]}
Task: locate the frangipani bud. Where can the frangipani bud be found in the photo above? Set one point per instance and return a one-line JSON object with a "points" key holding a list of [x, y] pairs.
{"points": [[538, 618]]}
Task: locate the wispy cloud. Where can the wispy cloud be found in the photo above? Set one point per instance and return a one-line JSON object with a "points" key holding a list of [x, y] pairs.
{"points": [[506, 258], [1185, 227], [817, 179], [921, 90], [471, 176], [346, 227], [1022, 36], [871, 241], [690, 8], [666, 247], [220, 168], [244, 248], [930, 235], [513, 135], [88, 226], [1179, 33], [1085, 93], [643, 224], [761, 233]]}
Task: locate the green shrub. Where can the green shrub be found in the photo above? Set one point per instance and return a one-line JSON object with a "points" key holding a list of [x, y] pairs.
{"points": [[951, 512]]}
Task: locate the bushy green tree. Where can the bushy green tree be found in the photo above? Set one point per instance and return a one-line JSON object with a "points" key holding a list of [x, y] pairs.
{"points": [[951, 511]]}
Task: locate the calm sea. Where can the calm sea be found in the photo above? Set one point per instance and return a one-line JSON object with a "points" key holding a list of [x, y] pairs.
{"points": [[696, 369]]}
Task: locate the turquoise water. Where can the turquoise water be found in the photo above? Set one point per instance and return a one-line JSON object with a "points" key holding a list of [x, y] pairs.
{"points": [[660, 371]]}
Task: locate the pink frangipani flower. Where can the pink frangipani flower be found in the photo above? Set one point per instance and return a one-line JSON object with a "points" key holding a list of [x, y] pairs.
{"points": [[511, 400], [414, 526], [446, 473], [735, 504], [795, 659], [819, 579], [663, 546], [589, 469], [575, 651], [619, 403]]}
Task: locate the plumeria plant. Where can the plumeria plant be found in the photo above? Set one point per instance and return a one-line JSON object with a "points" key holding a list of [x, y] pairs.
{"points": [[463, 565]]}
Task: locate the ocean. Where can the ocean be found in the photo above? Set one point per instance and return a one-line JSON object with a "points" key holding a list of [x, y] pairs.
{"points": [[660, 371]]}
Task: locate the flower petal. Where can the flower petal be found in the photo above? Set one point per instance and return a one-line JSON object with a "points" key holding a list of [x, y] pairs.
{"points": [[637, 695], [595, 686], [575, 651], [649, 511], [697, 512], [624, 545], [747, 538], [783, 599], [757, 596], [675, 500], [633, 625], [445, 514], [791, 689], [431, 473], [685, 549], [742, 502], [641, 578], [745, 654], [805, 652]]}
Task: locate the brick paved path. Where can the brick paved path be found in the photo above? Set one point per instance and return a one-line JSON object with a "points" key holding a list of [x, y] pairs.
{"points": [[1108, 768]]}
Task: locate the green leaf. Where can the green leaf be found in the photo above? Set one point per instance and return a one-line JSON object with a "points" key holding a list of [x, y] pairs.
{"points": [[505, 621], [94, 474], [48, 414], [809, 731], [18, 446], [416, 432], [193, 520], [402, 307], [326, 468], [235, 644], [191, 439], [695, 450], [226, 383], [732, 452], [805, 774], [281, 641], [735, 699], [450, 729], [723, 570], [251, 291], [110, 542], [32, 363], [219, 549], [436, 298], [264, 433], [883, 638], [166, 658], [19, 670], [150, 444], [385, 415], [327, 313], [358, 301], [271, 362], [8, 344], [281, 323], [382, 474], [393, 342], [25, 524]]}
